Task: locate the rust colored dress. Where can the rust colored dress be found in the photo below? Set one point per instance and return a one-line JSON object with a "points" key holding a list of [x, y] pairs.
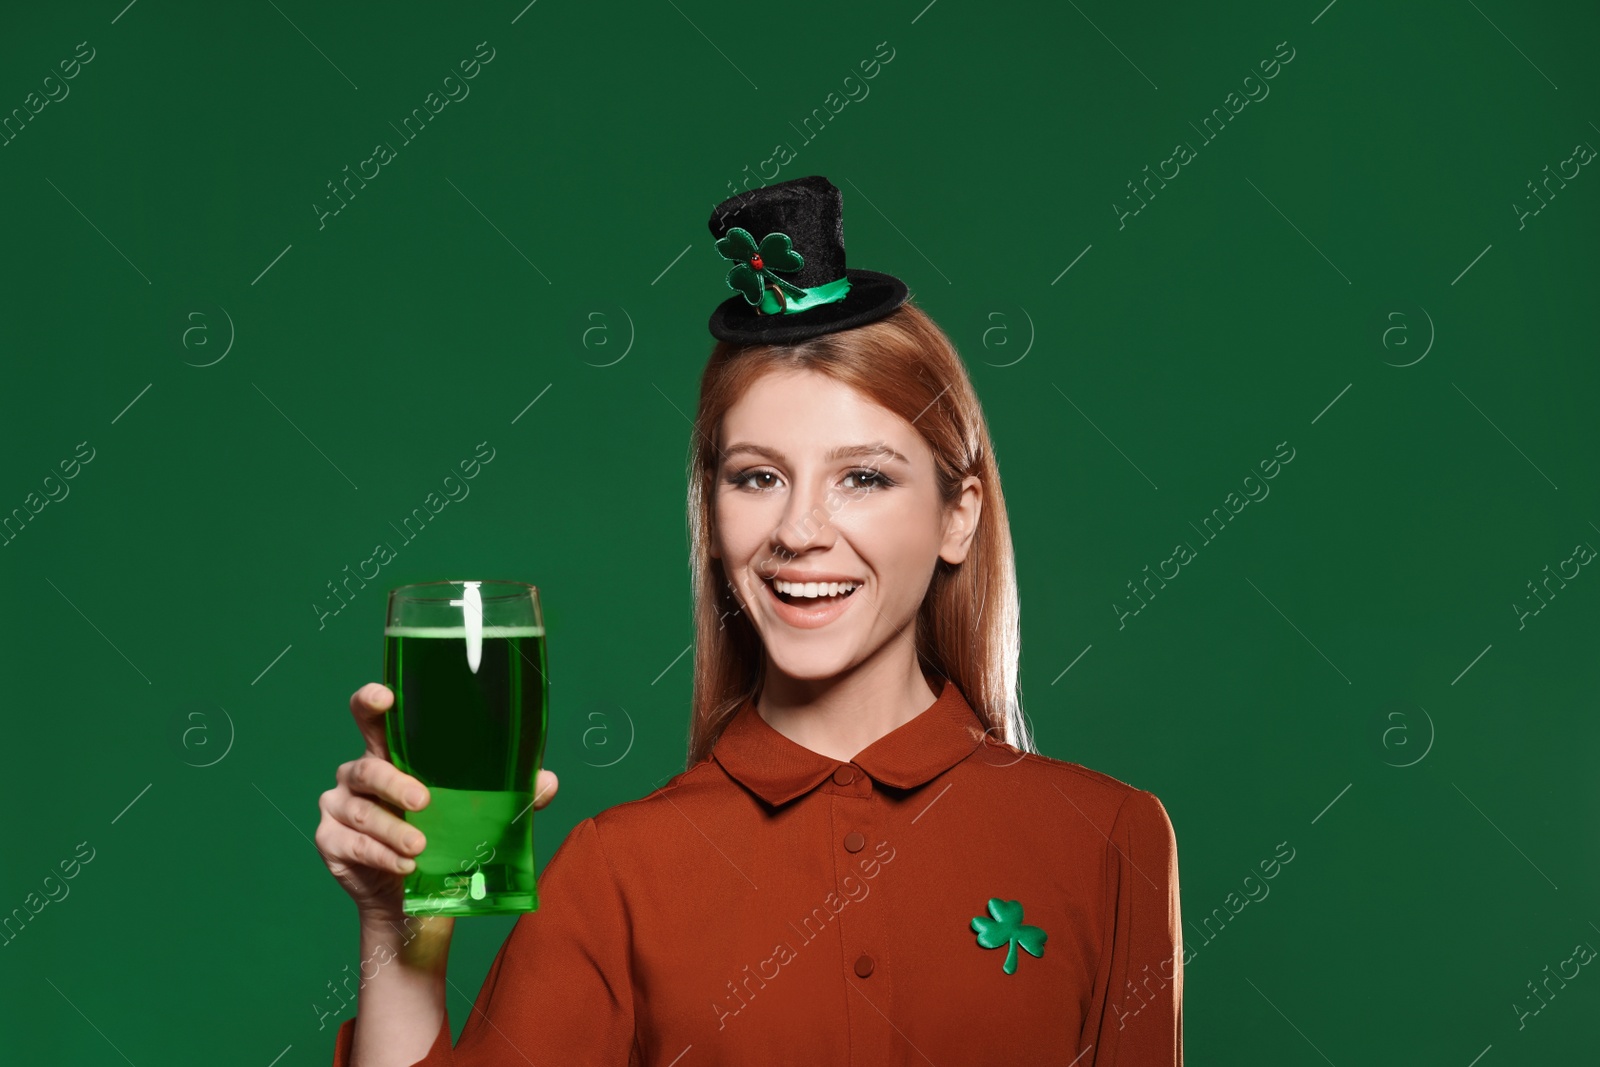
{"points": [[771, 905]]}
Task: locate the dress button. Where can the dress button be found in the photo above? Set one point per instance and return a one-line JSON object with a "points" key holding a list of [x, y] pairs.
{"points": [[863, 965], [844, 775], [854, 841]]}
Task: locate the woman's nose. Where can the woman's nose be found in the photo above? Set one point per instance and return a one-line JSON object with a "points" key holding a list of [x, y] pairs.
{"points": [[807, 520]]}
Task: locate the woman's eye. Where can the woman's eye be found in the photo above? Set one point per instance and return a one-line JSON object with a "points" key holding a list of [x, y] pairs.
{"points": [[867, 478], [747, 479]]}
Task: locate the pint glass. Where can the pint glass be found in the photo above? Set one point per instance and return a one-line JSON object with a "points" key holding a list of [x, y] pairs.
{"points": [[466, 663]]}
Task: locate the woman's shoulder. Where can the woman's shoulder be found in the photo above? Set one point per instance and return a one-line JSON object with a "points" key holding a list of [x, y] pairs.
{"points": [[687, 791], [1102, 798], [653, 825]]}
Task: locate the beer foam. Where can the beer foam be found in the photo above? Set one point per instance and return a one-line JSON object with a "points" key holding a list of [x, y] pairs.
{"points": [[461, 631]]}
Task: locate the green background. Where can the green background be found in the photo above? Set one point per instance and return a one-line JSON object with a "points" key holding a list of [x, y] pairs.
{"points": [[1342, 268]]}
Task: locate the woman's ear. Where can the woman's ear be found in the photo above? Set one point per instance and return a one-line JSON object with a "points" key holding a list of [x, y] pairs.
{"points": [[961, 521]]}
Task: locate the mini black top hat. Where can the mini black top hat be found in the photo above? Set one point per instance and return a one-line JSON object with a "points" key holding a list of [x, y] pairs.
{"points": [[787, 245]]}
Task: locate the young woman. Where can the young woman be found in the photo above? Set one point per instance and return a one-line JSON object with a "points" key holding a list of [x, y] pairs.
{"points": [[865, 862]]}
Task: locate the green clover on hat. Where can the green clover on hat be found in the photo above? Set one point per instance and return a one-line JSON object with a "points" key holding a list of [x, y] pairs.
{"points": [[754, 264]]}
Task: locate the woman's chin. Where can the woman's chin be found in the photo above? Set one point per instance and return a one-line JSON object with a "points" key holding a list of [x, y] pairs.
{"points": [[814, 665]]}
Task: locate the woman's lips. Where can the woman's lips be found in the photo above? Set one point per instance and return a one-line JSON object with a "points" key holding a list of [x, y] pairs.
{"points": [[806, 617]]}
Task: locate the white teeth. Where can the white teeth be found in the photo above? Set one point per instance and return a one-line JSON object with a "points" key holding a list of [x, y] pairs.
{"points": [[813, 589]]}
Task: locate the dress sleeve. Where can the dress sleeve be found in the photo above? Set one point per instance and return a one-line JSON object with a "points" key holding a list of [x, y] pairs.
{"points": [[560, 989], [1135, 1017]]}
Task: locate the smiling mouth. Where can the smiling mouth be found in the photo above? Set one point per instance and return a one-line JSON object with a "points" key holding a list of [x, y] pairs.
{"points": [[825, 593]]}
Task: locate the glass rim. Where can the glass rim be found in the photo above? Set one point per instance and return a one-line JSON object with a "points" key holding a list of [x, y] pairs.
{"points": [[401, 592]]}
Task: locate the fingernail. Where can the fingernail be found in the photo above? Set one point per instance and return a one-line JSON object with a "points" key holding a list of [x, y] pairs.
{"points": [[414, 843], [415, 798], [406, 865]]}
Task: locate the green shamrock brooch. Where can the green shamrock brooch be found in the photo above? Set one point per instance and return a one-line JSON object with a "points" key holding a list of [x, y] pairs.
{"points": [[754, 264], [1007, 928]]}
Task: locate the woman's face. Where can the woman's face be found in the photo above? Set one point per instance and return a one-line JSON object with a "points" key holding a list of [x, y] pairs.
{"points": [[818, 484]]}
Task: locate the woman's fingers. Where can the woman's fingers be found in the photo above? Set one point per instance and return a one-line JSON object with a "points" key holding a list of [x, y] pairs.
{"points": [[365, 816], [341, 845], [545, 788], [368, 705], [377, 777]]}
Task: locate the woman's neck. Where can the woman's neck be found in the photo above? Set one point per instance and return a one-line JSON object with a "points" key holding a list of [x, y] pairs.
{"points": [[839, 716]]}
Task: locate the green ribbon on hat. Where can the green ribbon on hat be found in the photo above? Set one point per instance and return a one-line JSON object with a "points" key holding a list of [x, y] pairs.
{"points": [[830, 293], [754, 276]]}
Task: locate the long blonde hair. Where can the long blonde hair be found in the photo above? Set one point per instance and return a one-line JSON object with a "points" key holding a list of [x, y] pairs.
{"points": [[968, 624]]}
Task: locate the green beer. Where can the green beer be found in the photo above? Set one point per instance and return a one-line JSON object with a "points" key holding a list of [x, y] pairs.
{"points": [[469, 722]]}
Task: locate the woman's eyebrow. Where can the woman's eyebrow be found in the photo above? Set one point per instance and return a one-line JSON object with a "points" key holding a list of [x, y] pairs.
{"points": [[878, 448]]}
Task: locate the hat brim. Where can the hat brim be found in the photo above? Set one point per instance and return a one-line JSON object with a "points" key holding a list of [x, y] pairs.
{"points": [[872, 296]]}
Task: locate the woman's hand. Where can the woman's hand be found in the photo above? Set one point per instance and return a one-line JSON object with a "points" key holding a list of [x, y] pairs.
{"points": [[362, 837]]}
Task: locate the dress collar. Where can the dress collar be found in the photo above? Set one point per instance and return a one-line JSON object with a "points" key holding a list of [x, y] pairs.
{"points": [[778, 769]]}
